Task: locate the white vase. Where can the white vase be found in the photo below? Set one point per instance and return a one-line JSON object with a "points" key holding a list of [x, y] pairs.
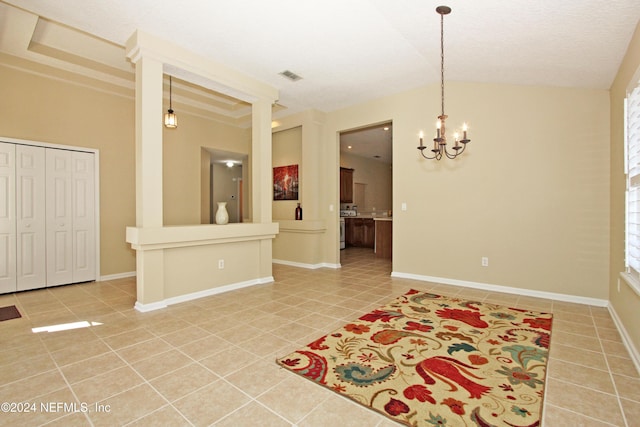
{"points": [[222, 216]]}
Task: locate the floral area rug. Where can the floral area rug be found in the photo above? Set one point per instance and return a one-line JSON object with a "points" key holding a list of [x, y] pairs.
{"points": [[430, 360]]}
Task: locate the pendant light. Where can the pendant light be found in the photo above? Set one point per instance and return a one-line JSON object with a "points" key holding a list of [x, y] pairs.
{"points": [[170, 119]]}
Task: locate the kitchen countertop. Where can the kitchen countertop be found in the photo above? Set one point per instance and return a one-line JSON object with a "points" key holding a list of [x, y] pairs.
{"points": [[375, 217]]}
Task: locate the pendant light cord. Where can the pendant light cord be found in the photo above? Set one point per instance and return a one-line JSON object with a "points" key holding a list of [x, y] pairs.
{"points": [[171, 108]]}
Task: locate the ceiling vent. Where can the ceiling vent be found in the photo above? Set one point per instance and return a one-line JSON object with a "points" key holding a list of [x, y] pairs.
{"points": [[290, 75]]}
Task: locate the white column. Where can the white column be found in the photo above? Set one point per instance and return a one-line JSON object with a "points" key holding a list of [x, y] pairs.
{"points": [[148, 143], [150, 263], [261, 167]]}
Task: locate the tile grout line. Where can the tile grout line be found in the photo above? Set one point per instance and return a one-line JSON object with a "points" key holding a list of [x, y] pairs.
{"points": [[613, 381]]}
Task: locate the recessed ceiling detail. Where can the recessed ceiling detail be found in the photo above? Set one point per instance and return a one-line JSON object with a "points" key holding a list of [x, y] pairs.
{"points": [[42, 46], [348, 51]]}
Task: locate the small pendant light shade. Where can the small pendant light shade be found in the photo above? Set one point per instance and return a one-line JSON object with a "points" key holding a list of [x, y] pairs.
{"points": [[170, 118]]}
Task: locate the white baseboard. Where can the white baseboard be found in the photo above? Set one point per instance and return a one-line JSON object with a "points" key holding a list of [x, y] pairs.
{"points": [[506, 289], [200, 294], [143, 308], [308, 266], [117, 276], [626, 339]]}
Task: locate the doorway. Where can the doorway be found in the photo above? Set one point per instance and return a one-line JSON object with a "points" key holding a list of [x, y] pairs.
{"points": [[224, 181], [366, 152]]}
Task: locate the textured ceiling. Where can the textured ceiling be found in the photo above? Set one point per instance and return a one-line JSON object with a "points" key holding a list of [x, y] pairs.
{"points": [[351, 51]]}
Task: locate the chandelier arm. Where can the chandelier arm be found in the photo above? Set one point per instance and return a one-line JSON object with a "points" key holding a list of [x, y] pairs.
{"points": [[456, 152], [435, 156], [449, 155]]}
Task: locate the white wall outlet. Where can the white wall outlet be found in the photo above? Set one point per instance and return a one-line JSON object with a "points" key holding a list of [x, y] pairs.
{"points": [[403, 206], [485, 261], [330, 208], [220, 264]]}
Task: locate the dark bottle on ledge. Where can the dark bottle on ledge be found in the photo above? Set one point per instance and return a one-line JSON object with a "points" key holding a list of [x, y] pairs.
{"points": [[298, 213]]}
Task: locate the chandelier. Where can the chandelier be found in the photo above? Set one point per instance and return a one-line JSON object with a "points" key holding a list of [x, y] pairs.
{"points": [[440, 141]]}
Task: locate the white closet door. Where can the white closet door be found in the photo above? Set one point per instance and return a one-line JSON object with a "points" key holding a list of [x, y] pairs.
{"points": [[59, 217], [84, 217], [30, 217], [7, 218]]}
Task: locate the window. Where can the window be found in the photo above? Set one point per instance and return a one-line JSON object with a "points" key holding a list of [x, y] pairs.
{"points": [[632, 171]]}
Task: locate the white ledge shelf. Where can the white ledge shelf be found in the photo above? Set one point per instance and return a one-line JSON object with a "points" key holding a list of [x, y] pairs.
{"points": [[631, 282], [304, 226], [148, 238]]}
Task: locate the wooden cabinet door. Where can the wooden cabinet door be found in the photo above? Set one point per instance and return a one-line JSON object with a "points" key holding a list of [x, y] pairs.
{"points": [[350, 232], [346, 185], [369, 233]]}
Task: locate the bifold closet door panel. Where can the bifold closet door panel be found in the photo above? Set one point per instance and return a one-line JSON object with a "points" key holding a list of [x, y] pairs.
{"points": [[84, 217], [59, 217], [30, 217], [7, 217]]}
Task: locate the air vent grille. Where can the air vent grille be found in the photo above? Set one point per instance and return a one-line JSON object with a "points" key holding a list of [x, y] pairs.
{"points": [[290, 75]]}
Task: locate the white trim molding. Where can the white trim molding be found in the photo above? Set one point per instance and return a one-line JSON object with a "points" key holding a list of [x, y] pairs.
{"points": [[305, 265], [631, 282], [200, 294], [626, 339], [506, 289], [117, 276]]}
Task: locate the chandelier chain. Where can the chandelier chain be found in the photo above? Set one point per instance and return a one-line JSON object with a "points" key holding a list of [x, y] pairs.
{"points": [[442, 60]]}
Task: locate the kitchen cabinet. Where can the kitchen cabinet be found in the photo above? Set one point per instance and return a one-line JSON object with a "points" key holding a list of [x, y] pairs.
{"points": [[383, 238], [346, 185], [360, 232]]}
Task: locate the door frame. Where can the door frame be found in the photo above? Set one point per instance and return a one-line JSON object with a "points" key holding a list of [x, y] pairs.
{"points": [[96, 154]]}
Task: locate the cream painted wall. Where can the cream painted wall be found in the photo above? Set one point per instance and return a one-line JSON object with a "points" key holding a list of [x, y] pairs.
{"points": [[297, 139], [377, 178], [287, 150], [41, 109], [531, 192], [624, 301], [205, 187], [182, 179]]}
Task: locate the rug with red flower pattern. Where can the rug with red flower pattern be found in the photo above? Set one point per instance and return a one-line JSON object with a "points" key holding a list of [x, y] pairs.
{"points": [[430, 360]]}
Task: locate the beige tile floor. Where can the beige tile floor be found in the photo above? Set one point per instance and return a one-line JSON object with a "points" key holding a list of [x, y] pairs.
{"points": [[211, 361]]}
